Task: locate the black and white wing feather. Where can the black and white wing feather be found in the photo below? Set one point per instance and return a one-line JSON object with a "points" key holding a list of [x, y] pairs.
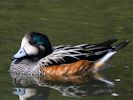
{"points": [[64, 54], [68, 54]]}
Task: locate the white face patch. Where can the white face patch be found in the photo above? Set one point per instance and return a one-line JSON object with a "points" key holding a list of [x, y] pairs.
{"points": [[24, 41], [30, 50]]}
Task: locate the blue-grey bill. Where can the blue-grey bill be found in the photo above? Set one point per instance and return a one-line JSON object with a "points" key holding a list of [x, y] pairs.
{"points": [[20, 54]]}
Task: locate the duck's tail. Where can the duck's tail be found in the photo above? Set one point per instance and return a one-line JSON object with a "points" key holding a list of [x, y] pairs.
{"points": [[107, 43], [111, 52]]}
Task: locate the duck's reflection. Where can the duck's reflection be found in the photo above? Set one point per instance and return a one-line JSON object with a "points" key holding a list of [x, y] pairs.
{"points": [[29, 87], [30, 93]]}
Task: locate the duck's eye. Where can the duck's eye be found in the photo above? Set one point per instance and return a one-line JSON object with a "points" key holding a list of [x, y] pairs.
{"points": [[32, 42]]}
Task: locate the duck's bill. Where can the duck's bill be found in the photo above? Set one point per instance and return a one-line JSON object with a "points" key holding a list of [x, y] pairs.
{"points": [[20, 54]]}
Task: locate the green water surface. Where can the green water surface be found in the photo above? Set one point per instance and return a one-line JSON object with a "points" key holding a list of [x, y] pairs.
{"points": [[69, 22]]}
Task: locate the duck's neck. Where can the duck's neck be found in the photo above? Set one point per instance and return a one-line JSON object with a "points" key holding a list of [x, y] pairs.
{"points": [[48, 50], [30, 58], [44, 54], [40, 56]]}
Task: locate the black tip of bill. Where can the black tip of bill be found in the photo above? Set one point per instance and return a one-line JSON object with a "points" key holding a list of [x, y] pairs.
{"points": [[16, 60]]}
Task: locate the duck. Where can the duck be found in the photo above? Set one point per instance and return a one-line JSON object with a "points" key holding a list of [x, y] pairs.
{"points": [[37, 56]]}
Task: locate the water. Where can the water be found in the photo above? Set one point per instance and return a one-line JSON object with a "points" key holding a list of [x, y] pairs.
{"points": [[68, 86], [71, 87], [70, 22]]}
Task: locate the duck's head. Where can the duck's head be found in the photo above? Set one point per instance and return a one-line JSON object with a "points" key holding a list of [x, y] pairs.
{"points": [[34, 44]]}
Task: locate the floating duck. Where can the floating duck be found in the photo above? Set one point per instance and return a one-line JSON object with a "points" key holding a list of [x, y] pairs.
{"points": [[37, 56]]}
